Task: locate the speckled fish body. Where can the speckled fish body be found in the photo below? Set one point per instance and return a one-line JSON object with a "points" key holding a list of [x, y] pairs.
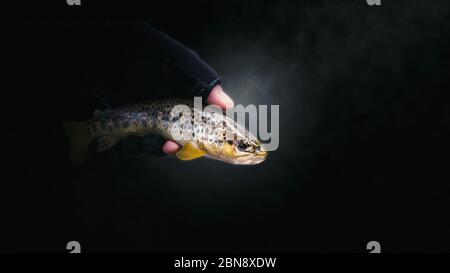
{"points": [[200, 133]]}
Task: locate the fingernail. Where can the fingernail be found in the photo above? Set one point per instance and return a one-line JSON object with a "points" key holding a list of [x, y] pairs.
{"points": [[226, 99]]}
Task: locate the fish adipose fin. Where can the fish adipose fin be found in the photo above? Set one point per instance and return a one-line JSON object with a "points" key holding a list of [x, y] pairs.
{"points": [[189, 152], [106, 142], [79, 141]]}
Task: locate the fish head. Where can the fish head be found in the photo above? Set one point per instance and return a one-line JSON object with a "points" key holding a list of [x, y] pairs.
{"points": [[232, 143]]}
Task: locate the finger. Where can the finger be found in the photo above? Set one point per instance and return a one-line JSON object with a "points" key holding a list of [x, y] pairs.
{"points": [[220, 98], [170, 147]]}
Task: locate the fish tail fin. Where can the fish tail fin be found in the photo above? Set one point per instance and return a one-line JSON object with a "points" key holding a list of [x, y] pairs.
{"points": [[79, 141]]}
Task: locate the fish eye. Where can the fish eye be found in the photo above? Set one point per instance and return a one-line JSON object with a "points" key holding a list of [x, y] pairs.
{"points": [[242, 146]]}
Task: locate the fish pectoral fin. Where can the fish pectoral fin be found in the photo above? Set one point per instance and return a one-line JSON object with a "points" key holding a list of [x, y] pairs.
{"points": [[189, 152], [106, 142]]}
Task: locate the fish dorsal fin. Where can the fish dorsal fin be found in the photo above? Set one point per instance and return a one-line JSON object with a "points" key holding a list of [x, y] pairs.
{"points": [[189, 152], [106, 142], [101, 113]]}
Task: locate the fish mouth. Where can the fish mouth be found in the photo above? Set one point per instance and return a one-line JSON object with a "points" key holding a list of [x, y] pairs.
{"points": [[261, 156], [257, 158], [261, 152]]}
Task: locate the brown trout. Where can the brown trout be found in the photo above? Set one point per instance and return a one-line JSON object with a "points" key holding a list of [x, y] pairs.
{"points": [[200, 133]]}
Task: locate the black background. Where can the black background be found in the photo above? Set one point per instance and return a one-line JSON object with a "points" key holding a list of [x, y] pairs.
{"points": [[364, 138]]}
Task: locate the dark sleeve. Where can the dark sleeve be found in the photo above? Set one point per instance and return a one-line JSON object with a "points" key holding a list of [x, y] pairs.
{"points": [[183, 62], [137, 62]]}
